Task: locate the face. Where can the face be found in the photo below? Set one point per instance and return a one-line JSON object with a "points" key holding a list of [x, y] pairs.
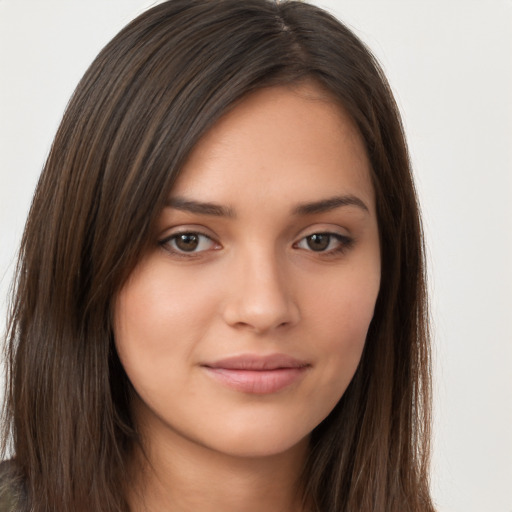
{"points": [[244, 324]]}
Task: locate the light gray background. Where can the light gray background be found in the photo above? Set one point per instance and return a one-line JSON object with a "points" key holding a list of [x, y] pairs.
{"points": [[450, 65]]}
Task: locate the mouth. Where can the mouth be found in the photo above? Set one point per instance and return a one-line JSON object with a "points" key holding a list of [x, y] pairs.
{"points": [[254, 374]]}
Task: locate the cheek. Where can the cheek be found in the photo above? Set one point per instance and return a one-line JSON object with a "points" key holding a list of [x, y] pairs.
{"points": [[157, 325], [341, 317], [343, 306]]}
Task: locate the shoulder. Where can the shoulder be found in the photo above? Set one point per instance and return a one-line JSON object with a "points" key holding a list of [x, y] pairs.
{"points": [[9, 489]]}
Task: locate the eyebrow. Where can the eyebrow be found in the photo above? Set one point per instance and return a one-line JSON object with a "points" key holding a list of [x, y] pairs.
{"points": [[189, 205], [329, 204], [310, 208]]}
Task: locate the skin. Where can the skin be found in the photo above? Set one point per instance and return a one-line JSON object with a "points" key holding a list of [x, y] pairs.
{"points": [[255, 284]]}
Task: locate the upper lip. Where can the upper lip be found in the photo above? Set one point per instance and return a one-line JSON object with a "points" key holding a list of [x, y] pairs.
{"points": [[257, 362]]}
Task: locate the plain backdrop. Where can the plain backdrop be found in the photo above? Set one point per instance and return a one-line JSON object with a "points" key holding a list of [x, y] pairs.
{"points": [[450, 65]]}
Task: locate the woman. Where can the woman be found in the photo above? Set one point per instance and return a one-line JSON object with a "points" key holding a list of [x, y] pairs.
{"points": [[220, 301]]}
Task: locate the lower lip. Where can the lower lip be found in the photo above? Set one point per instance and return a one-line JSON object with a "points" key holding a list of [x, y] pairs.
{"points": [[258, 382]]}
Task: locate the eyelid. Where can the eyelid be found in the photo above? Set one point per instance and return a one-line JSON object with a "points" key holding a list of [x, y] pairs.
{"points": [[324, 228], [345, 240], [342, 239], [178, 229], [165, 241]]}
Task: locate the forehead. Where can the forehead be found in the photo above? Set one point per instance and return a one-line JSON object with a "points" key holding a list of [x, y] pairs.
{"points": [[293, 143]]}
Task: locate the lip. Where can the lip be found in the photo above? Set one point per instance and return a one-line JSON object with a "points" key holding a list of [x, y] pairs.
{"points": [[255, 374]]}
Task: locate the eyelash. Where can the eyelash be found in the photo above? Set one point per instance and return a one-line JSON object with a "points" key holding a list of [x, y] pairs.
{"points": [[344, 244], [168, 242]]}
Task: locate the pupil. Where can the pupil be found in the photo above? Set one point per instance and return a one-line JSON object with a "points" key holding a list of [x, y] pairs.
{"points": [[187, 242], [318, 242]]}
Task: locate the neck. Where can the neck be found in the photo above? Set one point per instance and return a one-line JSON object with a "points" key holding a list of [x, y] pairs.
{"points": [[177, 475]]}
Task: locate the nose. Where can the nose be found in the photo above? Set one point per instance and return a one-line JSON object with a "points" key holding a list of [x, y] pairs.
{"points": [[260, 296]]}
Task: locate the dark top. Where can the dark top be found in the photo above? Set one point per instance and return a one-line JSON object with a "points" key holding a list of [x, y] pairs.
{"points": [[7, 502], [9, 493]]}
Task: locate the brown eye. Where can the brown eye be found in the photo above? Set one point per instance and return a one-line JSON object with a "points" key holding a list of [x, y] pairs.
{"points": [[327, 243], [188, 242], [318, 241]]}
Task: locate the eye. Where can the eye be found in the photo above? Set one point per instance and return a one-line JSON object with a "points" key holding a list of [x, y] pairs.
{"points": [[188, 242], [324, 242]]}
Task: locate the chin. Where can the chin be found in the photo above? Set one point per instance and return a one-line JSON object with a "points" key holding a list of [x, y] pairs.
{"points": [[256, 445]]}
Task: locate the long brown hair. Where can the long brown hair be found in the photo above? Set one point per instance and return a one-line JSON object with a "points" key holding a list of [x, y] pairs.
{"points": [[149, 96]]}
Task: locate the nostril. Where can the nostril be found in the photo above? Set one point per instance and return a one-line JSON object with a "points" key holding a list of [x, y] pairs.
{"points": [[263, 316], [259, 297]]}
